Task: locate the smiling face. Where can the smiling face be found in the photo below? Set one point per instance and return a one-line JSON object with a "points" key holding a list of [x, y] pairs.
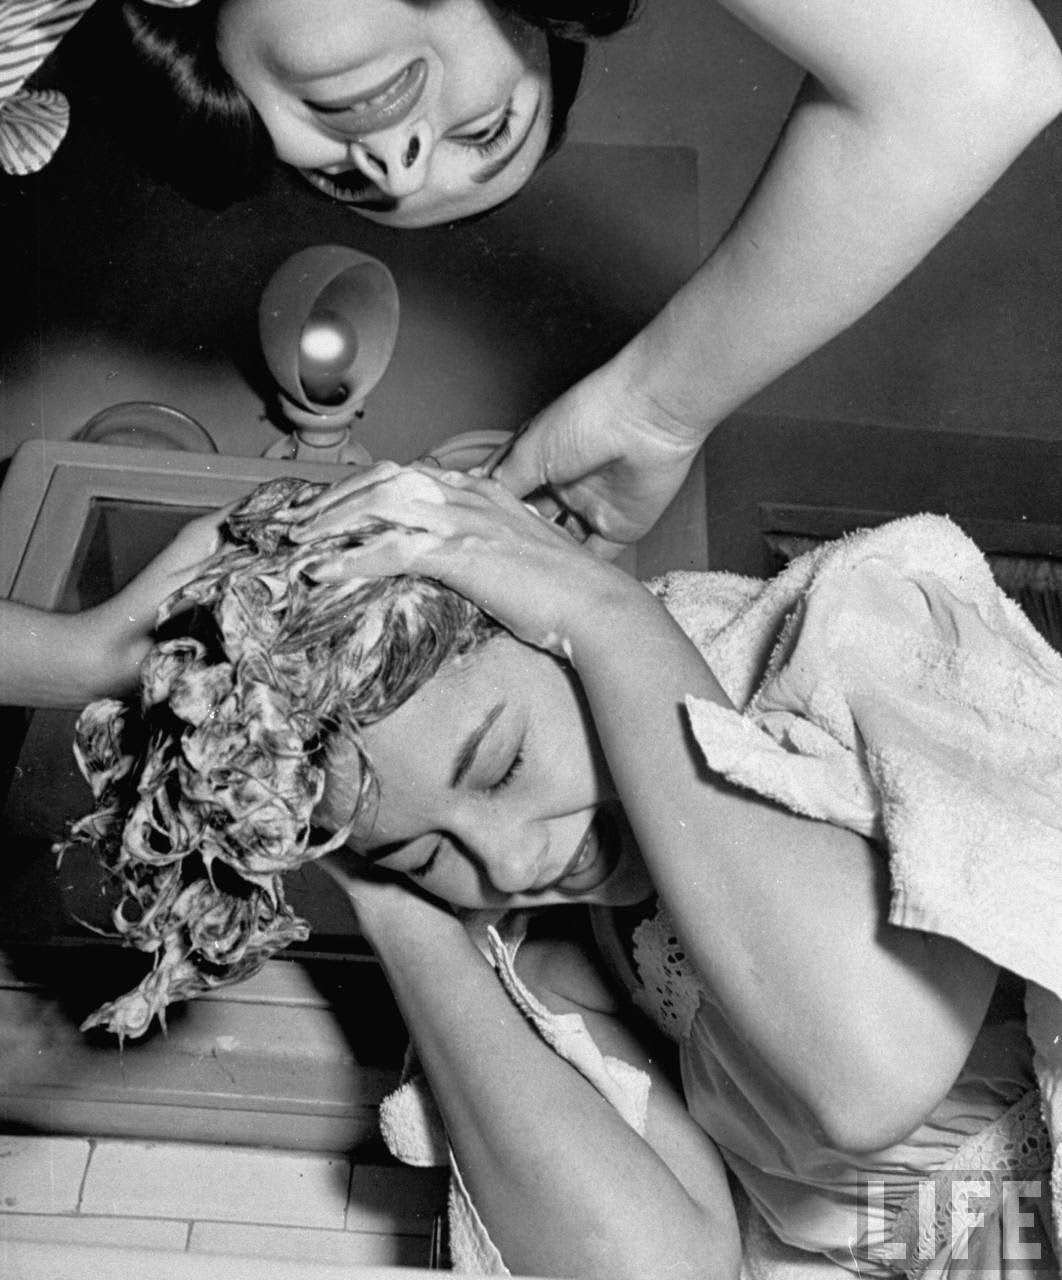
{"points": [[493, 791], [414, 113]]}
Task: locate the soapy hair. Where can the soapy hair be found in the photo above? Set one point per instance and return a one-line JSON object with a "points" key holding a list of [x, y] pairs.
{"points": [[207, 788]]}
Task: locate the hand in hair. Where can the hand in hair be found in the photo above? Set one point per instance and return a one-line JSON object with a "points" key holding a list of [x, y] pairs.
{"points": [[603, 453], [209, 786], [472, 535], [63, 659]]}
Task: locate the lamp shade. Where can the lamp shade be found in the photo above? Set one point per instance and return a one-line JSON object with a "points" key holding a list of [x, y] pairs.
{"points": [[328, 321]]}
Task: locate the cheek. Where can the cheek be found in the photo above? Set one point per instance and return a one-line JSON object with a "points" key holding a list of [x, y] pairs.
{"points": [[458, 885], [578, 757], [294, 141]]}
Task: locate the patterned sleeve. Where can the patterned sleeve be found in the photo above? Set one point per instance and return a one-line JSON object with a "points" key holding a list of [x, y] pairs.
{"points": [[32, 122]]}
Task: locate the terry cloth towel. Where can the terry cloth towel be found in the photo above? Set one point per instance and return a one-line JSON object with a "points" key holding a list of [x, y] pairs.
{"points": [[886, 684]]}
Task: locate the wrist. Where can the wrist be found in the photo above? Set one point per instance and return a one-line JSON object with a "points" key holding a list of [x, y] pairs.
{"points": [[654, 385], [114, 646], [614, 603], [390, 915]]}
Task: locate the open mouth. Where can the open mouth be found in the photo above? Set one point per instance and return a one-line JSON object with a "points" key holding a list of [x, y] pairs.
{"points": [[388, 103], [351, 187], [595, 859]]}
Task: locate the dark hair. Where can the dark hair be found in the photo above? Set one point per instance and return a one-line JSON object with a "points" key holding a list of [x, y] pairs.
{"points": [[218, 150]]}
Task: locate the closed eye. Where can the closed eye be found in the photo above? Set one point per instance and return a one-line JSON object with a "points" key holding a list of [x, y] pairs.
{"points": [[493, 140], [509, 774], [425, 867]]}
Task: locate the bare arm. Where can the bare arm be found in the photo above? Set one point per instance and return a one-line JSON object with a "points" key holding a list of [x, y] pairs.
{"points": [[563, 1184], [55, 659], [782, 915], [911, 111]]}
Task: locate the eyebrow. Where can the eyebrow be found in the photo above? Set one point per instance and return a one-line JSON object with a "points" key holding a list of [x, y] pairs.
{"points": [[467, 754], [491, 170]]}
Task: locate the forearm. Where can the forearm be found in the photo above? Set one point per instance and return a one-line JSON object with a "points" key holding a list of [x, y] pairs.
{"points": [[54, 659], [563, 1184], [783, 916], [855, 195]]}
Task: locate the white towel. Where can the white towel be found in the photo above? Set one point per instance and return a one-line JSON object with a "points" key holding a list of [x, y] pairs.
{"points": [[888, 685]]}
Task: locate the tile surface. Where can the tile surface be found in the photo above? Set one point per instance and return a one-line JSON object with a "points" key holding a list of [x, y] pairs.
{"points": [[41, 1175], [126, 1233], [175, 1180], [345, 1248]]}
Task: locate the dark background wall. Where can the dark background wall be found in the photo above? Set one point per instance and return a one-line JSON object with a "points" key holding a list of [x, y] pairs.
{"points": [[970, 342]]}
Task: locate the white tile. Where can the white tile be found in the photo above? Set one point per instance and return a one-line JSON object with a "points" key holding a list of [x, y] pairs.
{"points": [[127, 1233], [341, 1248], [395, 1199], [231, 1184], [41, 1175]]}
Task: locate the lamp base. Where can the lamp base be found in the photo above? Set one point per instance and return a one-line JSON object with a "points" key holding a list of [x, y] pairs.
{"points": [[296, 448]]}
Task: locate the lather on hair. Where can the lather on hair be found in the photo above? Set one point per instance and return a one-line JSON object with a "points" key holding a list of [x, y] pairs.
{"points": [[207, 789]]}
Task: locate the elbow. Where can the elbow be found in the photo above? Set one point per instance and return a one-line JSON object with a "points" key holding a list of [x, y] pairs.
{"points": [[875, 1120], [693, 1257], [971, 119], [858, 1131], [879, 1108], [688, 1246], [1015, 94]]}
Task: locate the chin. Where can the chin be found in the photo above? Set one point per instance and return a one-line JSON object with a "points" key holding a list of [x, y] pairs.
{"points": [[401, 220], [628, 885]]}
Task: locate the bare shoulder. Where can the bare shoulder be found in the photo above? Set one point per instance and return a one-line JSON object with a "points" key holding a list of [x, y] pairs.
{"points": [[566, 973]]}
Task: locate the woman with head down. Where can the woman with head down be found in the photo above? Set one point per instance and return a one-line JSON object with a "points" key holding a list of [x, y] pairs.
{"points": [[462, 710]]}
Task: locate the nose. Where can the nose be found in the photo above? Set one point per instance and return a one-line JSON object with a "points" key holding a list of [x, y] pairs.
{"points": [[396, 159], [511, 856]]}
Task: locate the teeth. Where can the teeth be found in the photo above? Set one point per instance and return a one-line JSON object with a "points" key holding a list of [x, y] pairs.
{"points": [[338, 190], [584, 857], [583, 860]]}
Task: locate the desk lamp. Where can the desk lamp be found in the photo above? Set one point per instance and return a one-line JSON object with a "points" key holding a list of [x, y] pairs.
{"points": [[328, 320]]}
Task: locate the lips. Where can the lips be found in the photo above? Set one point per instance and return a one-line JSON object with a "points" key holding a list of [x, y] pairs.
{"points": [[594, 860], [388, 103]]}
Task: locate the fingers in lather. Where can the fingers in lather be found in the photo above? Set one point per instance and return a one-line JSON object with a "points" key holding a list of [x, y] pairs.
{"points": [[364, 478], [386, 555], [398, 494], [485, 487]]}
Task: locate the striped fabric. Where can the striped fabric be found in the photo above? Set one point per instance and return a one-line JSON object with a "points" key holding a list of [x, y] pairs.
{"points": [[34, 122]]}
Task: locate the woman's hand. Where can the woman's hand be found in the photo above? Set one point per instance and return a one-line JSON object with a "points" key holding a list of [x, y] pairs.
{"points": [[909, 113], [602, 455], [66, 659], [471, 534]]}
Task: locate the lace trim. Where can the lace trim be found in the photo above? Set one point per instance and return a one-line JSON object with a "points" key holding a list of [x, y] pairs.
{"points": [[670, 991], [1014, 1146]]}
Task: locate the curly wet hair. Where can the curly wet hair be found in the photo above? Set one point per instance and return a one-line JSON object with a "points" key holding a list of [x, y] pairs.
{"points": [[208, 788], [217, 148]]}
